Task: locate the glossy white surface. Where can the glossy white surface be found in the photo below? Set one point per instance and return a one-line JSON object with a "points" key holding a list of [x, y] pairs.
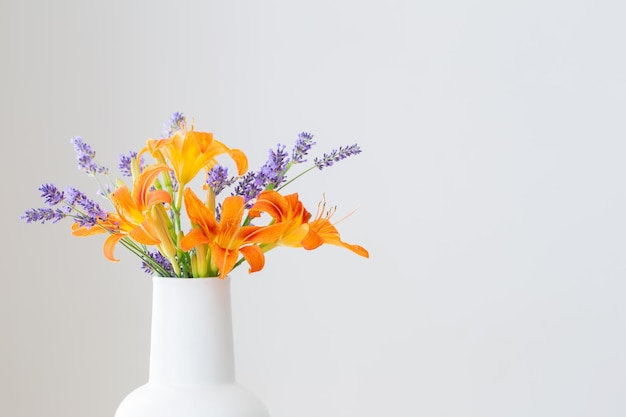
{"points": [[192, 370]]}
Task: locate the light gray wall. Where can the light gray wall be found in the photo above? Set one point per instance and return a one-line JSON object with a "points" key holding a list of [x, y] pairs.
{"points": [[490, 194]]}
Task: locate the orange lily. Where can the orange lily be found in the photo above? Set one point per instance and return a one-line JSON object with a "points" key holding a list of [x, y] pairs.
{"points": [[131, 217], [227, 239], [284, 209], [321, 231], [190, 151], [300, 232]]}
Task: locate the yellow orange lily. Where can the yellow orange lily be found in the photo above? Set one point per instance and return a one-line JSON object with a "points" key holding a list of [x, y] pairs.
{"points": [[321, 231], [131, 216], [300, 231], [288, 210], [227, 239], [189, 151]]}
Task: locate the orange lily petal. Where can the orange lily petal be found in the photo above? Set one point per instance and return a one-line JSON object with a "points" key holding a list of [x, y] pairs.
{"points": [[199, 214], [194, 154], [125, 205], [230, 222], [192, 239], [270, 202], [224, 259], [329, 234], [154, 146], [262, 234], [232, 209], [295, 236], [81, 231], [143, 183], [200, 142], [158, 197], [241, 160], [144, 234], [359, 250], [109, 246], [254, 256], [312, 240]]}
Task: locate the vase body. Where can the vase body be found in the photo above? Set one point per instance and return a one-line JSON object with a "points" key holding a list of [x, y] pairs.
{"points": [[192, 370]]}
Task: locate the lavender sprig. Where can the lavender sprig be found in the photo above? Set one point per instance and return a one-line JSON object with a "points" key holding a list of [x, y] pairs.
{"points": [[248, 186], [89, 211], [337, 155], [126, 164], [326, 161], [43, 215], [303, 145], [273, 172], [218, 179], [84, 211], [269, 176], [51, 194], [157, 261], [176, 123], [86, 157]]}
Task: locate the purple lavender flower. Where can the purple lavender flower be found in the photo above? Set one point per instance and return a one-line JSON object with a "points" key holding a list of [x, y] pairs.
{"points": [[76, 205], [51, 194], [337, 155], [43, 215], [125, 164], [86, 157], [176, 123], [160, 260], [218, 179], [248, 186], [271, 175], [273, 172], [302, 147], [89, 210]]}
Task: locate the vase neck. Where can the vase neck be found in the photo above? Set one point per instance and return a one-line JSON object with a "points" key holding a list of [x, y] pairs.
{"points": [[192, 339]]}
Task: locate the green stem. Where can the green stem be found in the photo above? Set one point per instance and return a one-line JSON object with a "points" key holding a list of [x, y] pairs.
{"points": [[295, 178], [239, 262]]}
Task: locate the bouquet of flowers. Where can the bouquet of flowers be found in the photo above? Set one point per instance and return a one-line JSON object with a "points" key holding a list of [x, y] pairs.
{"points": [[217, 234]]}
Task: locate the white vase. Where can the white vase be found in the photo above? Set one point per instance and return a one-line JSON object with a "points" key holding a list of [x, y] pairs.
{"points": [[192, 371]]}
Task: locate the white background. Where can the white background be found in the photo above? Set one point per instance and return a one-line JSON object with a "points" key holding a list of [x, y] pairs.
{"points": [[490, 194]]}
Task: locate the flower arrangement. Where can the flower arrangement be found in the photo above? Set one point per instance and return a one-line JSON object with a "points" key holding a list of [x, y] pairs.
{"points": [[218, 234]]}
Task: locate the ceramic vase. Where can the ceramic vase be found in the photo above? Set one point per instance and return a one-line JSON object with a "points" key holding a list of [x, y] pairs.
{"points": [[192, 371]]}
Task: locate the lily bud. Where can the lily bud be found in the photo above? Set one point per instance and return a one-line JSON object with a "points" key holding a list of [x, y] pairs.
{"points": [[210, 199], [162, 226], [201, 260], [134, 167]]}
